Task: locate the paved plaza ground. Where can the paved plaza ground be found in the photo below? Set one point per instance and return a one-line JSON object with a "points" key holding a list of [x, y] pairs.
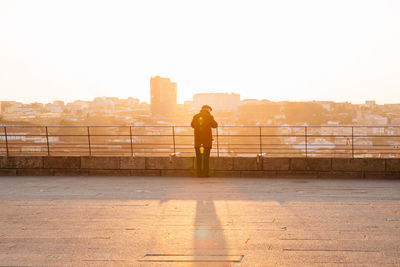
{"points": [[160, 221]]}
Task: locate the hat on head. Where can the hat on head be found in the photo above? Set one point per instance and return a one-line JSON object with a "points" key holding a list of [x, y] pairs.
{"points": [[206, 106]]}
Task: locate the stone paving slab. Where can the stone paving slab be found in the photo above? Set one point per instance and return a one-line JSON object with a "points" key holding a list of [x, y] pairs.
{"points": [[170, 221]]}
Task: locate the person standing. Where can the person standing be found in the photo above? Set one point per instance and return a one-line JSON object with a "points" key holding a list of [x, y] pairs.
{"points": [[202, 124]]}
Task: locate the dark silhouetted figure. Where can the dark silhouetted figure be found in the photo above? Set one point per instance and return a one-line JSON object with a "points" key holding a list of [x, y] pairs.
{"points": [[202, 124]]}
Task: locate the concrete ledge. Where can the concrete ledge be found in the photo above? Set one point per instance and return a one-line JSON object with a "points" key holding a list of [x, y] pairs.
{"points": [[71, 172], [249, 164], [157, 163], [221, 164], [393, 165], [180, 163], [367, 164], [177, 173], [339, 164], [369, 168], [100, 163], [132, 163], [166, 163], [62, 162], [3, 162], [8, 172], [373, 175], [24, 162], [276, 164], [373, 165], [392, 175], [110, 172], [310, 164]]}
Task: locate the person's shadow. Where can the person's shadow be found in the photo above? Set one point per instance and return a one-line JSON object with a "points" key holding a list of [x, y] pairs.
{"points": [[209, 238]]}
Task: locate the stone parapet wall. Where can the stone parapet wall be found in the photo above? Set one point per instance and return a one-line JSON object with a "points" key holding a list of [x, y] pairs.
{"points": [[184, 166]]}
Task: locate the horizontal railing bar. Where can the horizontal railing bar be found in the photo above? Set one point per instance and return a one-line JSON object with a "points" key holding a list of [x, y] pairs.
{"points": [[183, 144], [220, 126], [395, 146], [221, 135]]}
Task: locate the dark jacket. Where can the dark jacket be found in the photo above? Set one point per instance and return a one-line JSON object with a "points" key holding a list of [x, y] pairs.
{"points": [[202, 124]]}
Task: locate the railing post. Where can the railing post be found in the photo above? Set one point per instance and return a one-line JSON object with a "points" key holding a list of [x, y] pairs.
{"points": [[305, 136], [47, 141], [260, 139], [352, 141], [130, 134], [173, 137], [5, 135], [88, 134], [217, 143]]}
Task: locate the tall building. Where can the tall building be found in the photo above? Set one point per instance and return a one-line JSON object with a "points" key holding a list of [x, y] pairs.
{"points": [[163, 96], [217, 101]]}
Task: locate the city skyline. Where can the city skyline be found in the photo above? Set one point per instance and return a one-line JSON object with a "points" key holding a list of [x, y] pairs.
{"points": [[196, 100], [288, 50], [191, 100]]}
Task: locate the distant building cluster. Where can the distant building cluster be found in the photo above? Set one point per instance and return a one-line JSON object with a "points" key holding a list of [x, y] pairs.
{"points": [[218, 101], [228, 108], [77, 111]]}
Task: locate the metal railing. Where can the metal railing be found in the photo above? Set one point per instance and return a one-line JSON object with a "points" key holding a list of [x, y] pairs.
{"points": [[269, 141]]}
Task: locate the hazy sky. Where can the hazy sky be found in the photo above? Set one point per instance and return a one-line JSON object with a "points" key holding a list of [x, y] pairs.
{"points": [[279, 50]]}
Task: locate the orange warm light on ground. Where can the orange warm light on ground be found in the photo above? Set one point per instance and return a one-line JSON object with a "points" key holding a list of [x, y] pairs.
{"points": [[123, 221]]}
